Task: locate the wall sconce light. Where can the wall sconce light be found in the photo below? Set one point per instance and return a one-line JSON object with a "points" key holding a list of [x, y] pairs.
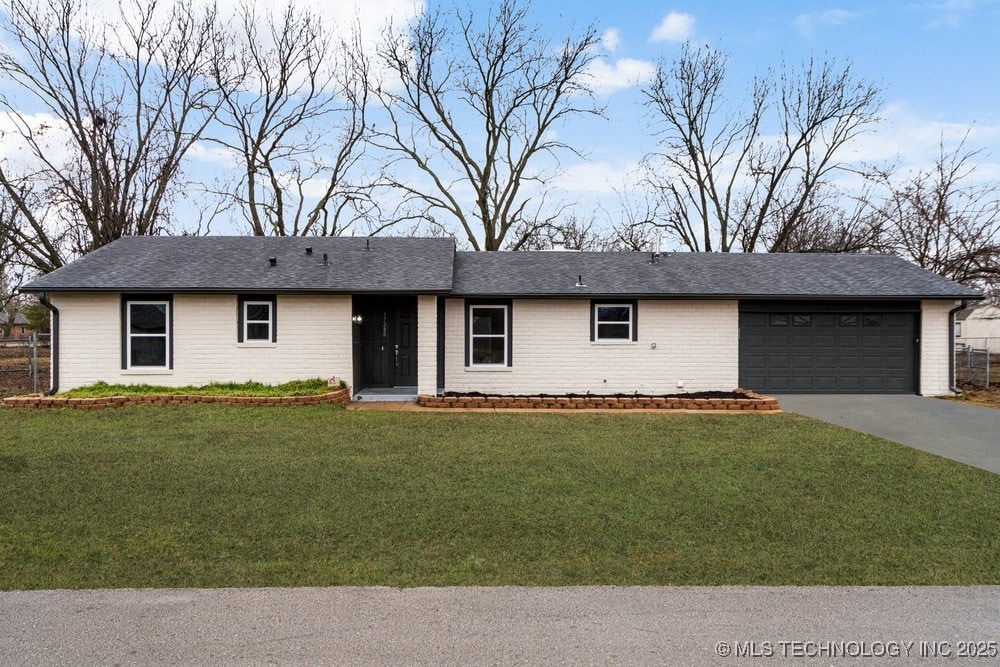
{"points": [[356, 319]]}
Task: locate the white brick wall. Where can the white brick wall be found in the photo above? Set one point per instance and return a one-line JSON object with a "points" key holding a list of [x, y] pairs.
{"points": [[935, 348], [697, 342], [427, 345], [314, 340]]}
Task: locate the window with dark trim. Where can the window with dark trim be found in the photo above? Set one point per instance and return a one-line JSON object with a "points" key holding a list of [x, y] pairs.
{"points": [[147, 332], [614, 321], [488, 334], [257, 318]]}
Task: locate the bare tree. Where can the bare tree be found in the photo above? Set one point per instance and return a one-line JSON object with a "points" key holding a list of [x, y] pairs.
{"points": [[728, 177], [129, 101], [945, 219], [835, 222], [294, 114], [487, 173]]}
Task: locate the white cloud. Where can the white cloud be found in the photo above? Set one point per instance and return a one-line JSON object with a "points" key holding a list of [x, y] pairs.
{"points": [[913, 140], [675, 27], [370, 16], [808, 24], [607, 78], [596, 178], [611, 40], [49, 132]]}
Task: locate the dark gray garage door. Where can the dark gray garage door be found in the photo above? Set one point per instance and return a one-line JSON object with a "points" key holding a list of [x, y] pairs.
{"points": [[817, 347]]}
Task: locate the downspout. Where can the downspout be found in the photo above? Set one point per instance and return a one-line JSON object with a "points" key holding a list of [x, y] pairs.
{"points": [[54, 344], [951, 345]]}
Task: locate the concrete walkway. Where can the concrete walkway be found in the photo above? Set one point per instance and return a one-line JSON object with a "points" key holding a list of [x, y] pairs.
{"points": [[584, 625], [966, 433]]}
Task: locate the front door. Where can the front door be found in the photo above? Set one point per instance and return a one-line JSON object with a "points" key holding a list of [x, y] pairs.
{"points": [[387, 341]]}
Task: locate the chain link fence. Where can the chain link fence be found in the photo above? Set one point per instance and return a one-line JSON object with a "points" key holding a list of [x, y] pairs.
{"points": [[25, 364], [977, 367]]}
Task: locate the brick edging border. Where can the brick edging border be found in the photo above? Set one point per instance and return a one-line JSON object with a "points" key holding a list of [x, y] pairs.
{"points": [[749, 401], [338, 397]]}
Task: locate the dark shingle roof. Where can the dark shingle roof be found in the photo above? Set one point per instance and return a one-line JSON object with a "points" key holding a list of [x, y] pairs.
{"points": [[240, 264], [698, 274]]}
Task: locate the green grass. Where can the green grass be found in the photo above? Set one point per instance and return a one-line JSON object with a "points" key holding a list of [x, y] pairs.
{"points": [[295, 388], [212, 495]]}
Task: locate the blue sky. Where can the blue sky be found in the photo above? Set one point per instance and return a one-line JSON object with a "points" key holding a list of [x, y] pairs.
{"points": [[938, 63]]}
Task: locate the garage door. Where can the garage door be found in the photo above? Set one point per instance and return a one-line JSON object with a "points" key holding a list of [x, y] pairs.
{"points": [[812, 347]]}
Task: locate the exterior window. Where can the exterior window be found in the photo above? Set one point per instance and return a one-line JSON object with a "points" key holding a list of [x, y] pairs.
{"points": [[257, 318], [873, 321], [147, 337], [488, 332], [257, 321], [801, 320], [777, 320], [613, 322], [848, 320]]}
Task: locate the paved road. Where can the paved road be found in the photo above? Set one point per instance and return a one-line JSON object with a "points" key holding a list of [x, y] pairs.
{"points": [[582, 625], [958, 431]]}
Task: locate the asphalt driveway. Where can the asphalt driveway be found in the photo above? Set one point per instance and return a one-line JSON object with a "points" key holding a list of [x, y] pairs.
{"points": [[966, 433]]}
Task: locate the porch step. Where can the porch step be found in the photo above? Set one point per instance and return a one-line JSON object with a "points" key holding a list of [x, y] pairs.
{"points": [[386, 395]]}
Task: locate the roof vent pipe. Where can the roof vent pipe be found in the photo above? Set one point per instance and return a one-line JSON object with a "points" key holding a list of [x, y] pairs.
{"points": [[326, 258], [368, 244], [309, 250], [579, 282], [273, 261]]}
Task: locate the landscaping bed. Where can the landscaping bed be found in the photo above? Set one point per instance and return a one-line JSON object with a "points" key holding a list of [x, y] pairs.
{"points": [[101, 395], [737, 400]]}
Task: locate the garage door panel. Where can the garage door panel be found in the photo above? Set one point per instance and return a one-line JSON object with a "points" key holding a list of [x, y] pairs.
{"points": [[827, 383], [828, 352], [848, 384]]}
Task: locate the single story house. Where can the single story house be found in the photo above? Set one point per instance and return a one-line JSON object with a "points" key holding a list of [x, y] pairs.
{"points": [[415, 315], [979, 327], [19, 328]]}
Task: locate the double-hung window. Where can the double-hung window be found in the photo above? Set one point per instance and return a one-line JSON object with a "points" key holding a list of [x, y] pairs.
{"points": [[147, 334], [489, 330], [613, 322], [257, 319]]}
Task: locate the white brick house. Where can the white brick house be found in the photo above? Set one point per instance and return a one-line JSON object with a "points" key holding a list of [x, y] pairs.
{"points": [[414, 315]]}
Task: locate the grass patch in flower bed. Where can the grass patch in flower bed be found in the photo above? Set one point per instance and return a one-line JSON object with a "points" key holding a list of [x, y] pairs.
{"points": [[311, 387], [215, 495]]}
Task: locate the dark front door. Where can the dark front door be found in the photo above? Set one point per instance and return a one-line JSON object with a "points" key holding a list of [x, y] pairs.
{"points": [[386, 338]]}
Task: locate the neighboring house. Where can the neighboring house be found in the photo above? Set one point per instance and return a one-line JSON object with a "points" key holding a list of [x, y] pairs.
{"points": [[18, 329], [979, 327], [415, 315]]}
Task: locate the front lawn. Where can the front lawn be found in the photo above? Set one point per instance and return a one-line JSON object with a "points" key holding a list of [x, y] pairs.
{"points": [[214, 495]]}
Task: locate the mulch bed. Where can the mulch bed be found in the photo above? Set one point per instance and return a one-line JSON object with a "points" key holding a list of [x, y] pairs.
{"points": [[734, 401]]}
